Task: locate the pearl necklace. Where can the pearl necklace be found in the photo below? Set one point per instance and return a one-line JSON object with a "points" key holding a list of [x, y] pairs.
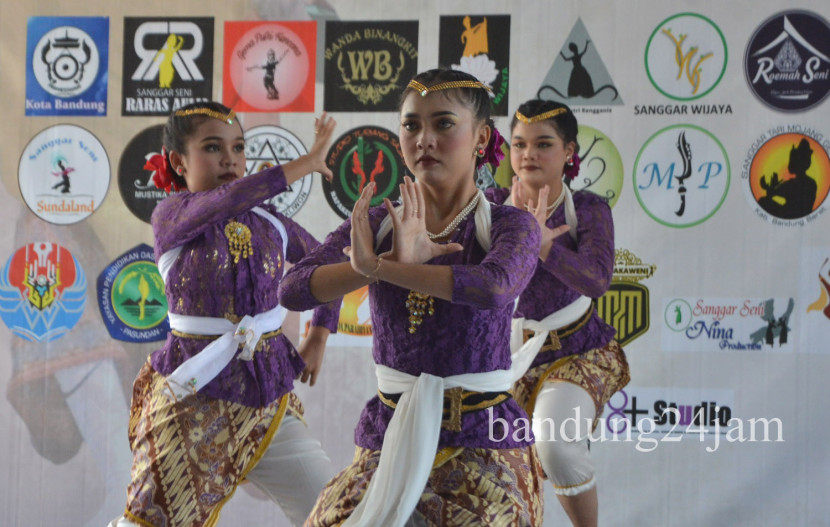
{"points": [[458, 219], [553, 206]]}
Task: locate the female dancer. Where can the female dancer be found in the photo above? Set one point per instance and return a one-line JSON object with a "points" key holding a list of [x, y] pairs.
{"points": [[575, 363], [214, 407], [442, 285]]}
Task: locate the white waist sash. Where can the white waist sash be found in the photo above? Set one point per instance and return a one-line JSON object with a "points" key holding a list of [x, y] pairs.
{"points": [[524, 353], [411, 441], [194, 373]]}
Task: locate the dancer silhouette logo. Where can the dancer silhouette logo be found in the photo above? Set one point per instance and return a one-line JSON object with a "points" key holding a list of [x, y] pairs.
{"points": [[686, 56], [64, 174], [358, 157], [786, 175], [168, 63], [42, 292], [131, 297], [681, 175], [269, 66], [787, 61], [578, 76], [268, 146], [479, 45]]}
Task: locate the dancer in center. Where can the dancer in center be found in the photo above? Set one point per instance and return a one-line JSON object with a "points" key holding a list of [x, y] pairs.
{"points": [[444, 269]]}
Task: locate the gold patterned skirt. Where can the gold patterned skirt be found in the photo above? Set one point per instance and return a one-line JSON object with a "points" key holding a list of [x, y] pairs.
{"points": [[602, 372], [190, 456], [467, 487]]}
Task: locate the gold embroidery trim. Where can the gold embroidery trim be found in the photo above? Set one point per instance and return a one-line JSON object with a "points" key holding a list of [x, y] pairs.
{"points": [[451, 418]]}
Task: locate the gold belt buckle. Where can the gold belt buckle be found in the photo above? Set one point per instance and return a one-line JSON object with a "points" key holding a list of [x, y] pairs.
{"points": [[453, 421], [555, 343]]}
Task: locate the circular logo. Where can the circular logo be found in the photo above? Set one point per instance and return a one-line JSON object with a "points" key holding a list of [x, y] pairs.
{"points": [[268, 146], [64, 174], [686, 56], [787, 61], [678, 315], [134, 182], [43, 292], [358, 157], [600, 169], [269, 66], [137, 296], [681, 175], [788, 179], [65, 61]]}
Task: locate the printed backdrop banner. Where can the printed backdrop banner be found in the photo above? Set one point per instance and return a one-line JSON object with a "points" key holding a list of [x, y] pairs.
{"points": [[704, 124]]}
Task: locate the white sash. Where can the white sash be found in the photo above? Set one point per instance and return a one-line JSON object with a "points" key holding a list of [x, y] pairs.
{"points": [[194, 373], [524, 353], [411, 441]]}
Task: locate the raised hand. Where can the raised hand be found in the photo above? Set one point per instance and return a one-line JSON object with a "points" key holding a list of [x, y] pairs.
{"points": [[540, 212], [323, 130], [362, 251], [410, 241]]}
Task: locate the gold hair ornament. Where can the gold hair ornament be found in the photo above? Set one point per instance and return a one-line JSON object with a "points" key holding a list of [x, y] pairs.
{"points": [[228, 118], [424, 90], [541, 117]]}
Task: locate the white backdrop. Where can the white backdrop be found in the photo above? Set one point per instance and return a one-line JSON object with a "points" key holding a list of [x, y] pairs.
{"points": [[66, 462]]}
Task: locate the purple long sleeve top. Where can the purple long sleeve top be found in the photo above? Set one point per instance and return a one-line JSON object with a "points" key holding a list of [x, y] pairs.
{"points": [[468, 335], [570, 270], [205, 281]]}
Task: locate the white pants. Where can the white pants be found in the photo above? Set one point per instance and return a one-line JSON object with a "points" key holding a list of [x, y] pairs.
{"points": [[292, 472], [562, 421]]}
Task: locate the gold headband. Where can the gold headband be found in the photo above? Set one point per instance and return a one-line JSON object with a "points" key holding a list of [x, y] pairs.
{"points": [[541, 117], [424, 90], [228, 118]]}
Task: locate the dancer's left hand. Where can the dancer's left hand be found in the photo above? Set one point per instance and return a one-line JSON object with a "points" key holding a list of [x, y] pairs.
{"points": [[311, 350]]}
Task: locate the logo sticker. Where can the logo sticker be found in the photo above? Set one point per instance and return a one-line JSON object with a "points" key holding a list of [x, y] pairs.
{"points": [[367, 64], [135, 183], [814, 293], [578, 76], [625, 305], [681, 175], [42, 292], [686, 56], [168, 63], [786, 176], [67, 65], [64, 174], [601, 169], [131, 297], [723, 324], [478, 45], [358, 157], [268, 146], [269, 66], [787, 61]]}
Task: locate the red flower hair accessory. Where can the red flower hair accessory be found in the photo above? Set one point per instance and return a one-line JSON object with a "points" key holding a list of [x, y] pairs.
{"points": [[163, 176], [572, 169], [493, 153]]}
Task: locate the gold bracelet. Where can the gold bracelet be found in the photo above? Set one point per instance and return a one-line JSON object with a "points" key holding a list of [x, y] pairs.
{"points": [[377, 270]]}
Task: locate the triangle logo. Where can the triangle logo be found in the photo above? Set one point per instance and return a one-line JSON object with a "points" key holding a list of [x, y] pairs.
{"points": [[578, 76]]}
